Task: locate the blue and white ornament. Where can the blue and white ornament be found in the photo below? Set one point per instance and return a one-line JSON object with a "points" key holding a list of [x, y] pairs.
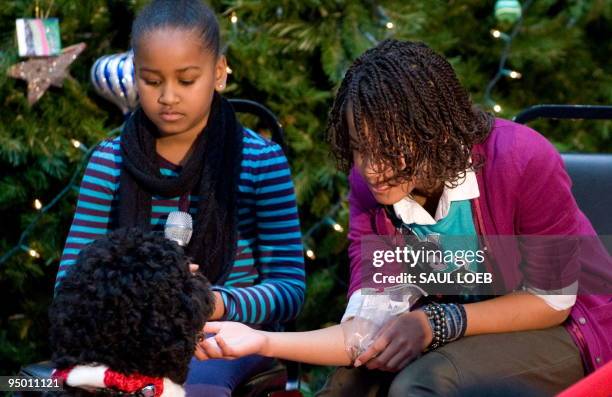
{"points": [[507, 11], [113, 78]]}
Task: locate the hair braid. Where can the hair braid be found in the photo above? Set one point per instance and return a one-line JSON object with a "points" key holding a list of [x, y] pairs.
{"points": [[410, 113]]}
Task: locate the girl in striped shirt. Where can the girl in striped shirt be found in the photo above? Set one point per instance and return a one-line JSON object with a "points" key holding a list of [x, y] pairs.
{"points": [[184, 149]]}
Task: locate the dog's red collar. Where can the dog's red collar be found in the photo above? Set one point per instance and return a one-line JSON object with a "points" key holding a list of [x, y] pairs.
{"points": [[112, 380], [132, 383]]}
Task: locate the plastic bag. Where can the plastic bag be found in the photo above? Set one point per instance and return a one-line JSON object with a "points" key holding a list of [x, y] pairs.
{"points": [[376, 308]]}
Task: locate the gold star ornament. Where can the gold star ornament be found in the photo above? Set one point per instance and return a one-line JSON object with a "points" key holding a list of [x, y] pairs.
{"points": [[40, 73]]}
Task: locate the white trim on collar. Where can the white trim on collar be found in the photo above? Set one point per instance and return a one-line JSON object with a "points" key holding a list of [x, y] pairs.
{"points": [[409, 211], [172, 389]]}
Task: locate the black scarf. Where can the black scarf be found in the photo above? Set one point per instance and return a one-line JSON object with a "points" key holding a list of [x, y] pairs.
{"points": [[211, 172]]}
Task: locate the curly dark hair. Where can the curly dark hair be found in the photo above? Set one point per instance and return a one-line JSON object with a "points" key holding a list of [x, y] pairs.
{"points": [[410, 113], [130, 303]]}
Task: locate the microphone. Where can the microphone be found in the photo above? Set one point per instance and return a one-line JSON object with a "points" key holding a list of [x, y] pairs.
{"points": [[179, 227]]}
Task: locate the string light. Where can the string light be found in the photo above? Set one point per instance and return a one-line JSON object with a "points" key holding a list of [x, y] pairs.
{"points": [[335, 225], [500, 35], [513, 74], [37, 204], [501, 70], [384, 18], [326, 220], [78, 145], [234, 18], [71, 185], [32, 252]]}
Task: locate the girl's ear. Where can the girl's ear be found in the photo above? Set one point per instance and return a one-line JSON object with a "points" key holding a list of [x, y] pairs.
{"points": [[221, 73]]}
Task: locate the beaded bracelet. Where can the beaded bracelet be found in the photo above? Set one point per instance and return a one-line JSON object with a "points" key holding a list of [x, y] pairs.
{"points": [[448, 322], [437, 320]]}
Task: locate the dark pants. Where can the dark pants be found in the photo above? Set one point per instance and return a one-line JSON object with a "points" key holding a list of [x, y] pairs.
{"points": [[530, 363], [220, 377]]}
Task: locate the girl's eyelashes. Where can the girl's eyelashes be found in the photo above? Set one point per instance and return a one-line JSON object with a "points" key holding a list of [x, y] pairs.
{"points": [[155, 83]]}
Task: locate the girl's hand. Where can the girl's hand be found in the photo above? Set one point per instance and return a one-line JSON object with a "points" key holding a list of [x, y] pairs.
{"points": [[231, 340], [399, 342]]}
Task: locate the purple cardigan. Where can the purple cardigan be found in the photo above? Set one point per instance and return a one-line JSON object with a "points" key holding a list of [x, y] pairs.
{"points": [[524, 190]]}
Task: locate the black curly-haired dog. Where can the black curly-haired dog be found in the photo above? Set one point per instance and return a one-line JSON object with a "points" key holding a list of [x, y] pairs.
{"points": [[130, 305]]}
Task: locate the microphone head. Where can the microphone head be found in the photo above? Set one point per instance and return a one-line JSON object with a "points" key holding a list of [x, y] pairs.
{"points": [[179, 227]]}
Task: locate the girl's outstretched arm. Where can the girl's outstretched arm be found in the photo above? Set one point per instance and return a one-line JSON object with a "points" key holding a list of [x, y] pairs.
{"points": [[232, 340]]}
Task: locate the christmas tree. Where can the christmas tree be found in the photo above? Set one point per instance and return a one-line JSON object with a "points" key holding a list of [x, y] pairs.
{"points": [[289, 55]]}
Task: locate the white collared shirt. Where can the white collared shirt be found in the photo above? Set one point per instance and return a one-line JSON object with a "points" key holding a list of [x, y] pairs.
{"points": [[409, 211]]}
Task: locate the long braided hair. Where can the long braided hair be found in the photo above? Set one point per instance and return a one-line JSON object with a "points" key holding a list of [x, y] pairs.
{"points": [[410, 114]]}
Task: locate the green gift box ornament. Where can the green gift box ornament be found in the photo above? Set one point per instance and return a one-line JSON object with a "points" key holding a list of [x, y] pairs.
{"points": [[38, 37]]}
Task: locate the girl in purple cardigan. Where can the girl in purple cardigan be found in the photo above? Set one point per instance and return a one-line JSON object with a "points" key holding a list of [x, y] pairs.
{"points": [[424, 162]]}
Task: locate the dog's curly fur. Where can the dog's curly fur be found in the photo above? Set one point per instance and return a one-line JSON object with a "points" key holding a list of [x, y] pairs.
{"points": [[132, 304]]}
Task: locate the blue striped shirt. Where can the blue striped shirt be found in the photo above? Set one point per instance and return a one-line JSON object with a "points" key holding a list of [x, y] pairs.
{"points": [[266, 283]]}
